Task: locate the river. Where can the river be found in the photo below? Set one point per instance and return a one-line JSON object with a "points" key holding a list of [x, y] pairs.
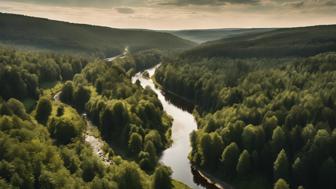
{"points": [[184, 123]]}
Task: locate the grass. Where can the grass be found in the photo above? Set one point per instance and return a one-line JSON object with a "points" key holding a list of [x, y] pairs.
{"points": [[179, 185]]}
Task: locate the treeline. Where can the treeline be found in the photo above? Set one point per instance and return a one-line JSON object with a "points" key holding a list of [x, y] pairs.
{"points": [[147, 59], [202, 81], [137, 62], [261, 121], [22, 74]]}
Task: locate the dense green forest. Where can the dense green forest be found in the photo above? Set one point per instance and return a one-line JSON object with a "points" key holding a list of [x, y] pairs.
{"points": [[22, 74], [140, 61], [46, 147], [278, 43], [128, 116], [262, 122], [264, 102], [37, 33]]}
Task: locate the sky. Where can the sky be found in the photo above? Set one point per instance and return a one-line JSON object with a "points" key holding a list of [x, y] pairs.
{"points": [[180, 14]]}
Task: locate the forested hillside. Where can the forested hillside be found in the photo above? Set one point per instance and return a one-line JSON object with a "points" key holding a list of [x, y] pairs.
{"points": [[286, 42], [43, 34], [204, 35], [48, 147], [262, 122]]}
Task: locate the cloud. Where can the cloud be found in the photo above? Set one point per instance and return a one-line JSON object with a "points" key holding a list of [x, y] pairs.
{"points": [[87, 3], [295, 4], [330, 3], [208, 2], [317, 4], [125, 10], [128, 3], [181, 14], [183, 3]]}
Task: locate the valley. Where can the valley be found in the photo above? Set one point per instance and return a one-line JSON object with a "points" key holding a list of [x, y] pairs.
{"points": [[94, 107]]}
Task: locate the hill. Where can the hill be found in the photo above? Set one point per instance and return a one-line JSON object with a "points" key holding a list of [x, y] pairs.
{"points": [[204, 35], [287, 42], [38, 33]]}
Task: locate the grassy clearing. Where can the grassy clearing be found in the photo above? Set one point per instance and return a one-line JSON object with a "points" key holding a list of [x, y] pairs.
{"points": [[179, 185]]}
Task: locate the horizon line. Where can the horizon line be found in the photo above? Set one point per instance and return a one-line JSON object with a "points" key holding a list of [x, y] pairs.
{"points": [[164, 30]]}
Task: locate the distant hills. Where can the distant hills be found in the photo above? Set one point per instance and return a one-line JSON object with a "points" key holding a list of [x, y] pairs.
{"points": [[287, 42], [43, 34], [204, 35], [38, 33]]}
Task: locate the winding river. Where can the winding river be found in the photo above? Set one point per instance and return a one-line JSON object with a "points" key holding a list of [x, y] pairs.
{"points": [[184, 123], [176, 156]]}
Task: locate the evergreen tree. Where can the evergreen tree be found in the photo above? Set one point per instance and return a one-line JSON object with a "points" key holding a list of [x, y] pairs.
{"points": [[135, 143], [281, 166], [278, 140], [161, 178], [43, 110], [327, 174], [67, 93], [229, 159], [81, 97], [281, 184], [244, 165]]}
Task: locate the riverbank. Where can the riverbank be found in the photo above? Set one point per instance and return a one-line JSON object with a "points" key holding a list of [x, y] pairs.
{"points": [[175, 98], [204, 178], [184, 123], [93, 138], [179, 185], [210, 181]]}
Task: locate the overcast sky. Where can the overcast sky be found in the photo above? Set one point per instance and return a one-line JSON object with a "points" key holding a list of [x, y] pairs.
{"points": [[180, 14]]}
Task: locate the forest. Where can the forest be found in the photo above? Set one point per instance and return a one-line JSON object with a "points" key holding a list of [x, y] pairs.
{"points": [[48, 35], [45, 147], [263, 99], [23, 74], [276, 43], [128, 116], [262, 123]]}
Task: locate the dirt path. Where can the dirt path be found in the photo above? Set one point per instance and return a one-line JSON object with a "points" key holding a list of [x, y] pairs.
{"points": [[95, 142]]}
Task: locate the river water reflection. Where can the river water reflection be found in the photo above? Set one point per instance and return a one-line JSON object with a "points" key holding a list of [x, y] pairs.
{"points": [[184, 123]]}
